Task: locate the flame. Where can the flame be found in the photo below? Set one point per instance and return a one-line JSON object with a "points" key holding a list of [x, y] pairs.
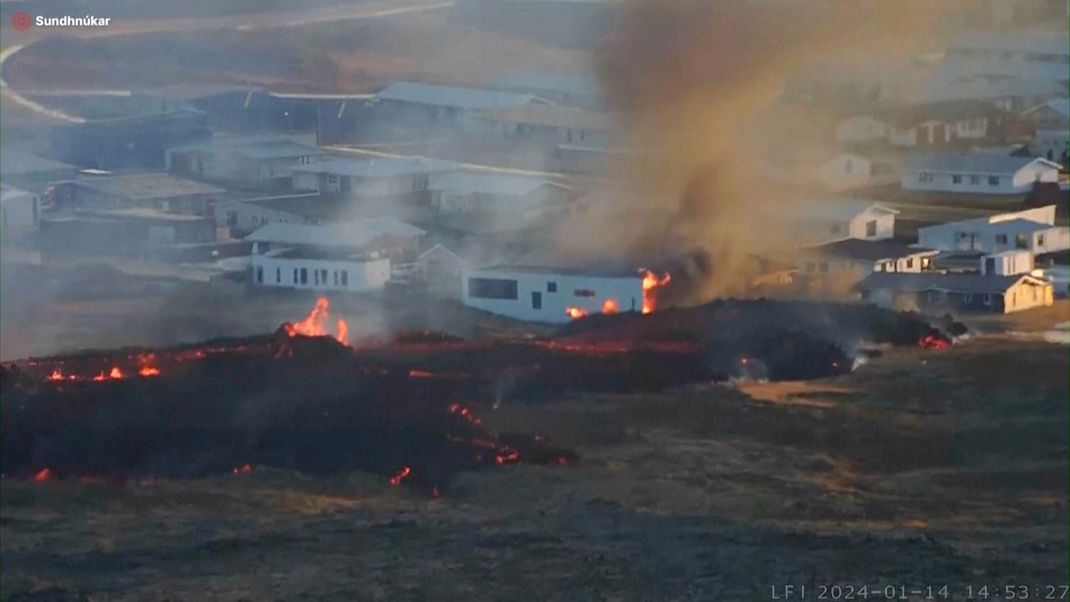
{"points": [[57, 374], [242, 469], [652, 281], [609, 306], [934, 341], [115, 373], [45, 474], [315, 323], [464, 412], [149, 371], [400, 475], [575, 312]]}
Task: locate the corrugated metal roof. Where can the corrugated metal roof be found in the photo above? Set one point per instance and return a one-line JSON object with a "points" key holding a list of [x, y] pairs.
{"points": [[975, 163], [864, 250], [959, 283], [470, 99], [152, 185], [357, 234], [380, 167]]}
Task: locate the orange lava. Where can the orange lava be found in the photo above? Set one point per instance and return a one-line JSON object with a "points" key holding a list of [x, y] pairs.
{"points": [[609, 306], [400, 475], [45, 474], [652, 281], [315, 323], [149, 371], [243, 469], [575, 312], [115, 373], [57, 374]]}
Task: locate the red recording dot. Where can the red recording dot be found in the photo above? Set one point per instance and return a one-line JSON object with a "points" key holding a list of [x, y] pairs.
{"points": [[21, 20]]}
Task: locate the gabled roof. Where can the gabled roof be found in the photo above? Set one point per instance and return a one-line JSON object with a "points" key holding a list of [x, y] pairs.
{"points": [[975, 163], [994, 284], [839, 209], [466, 182], [865, 250], [469, 99], [357, 234], [945, 111], [379, 167], [1058, 105]]}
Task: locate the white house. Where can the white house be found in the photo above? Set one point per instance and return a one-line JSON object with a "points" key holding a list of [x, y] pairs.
{"points": [[936, 292], [1033, 230], [836, 219], [551, 294], [1051, 122], [245, 160], [446, 105], [549, 125], [852, 170], [20, 211], [507, 194], [977, 173], [569, 89], [245, 215], [352, 256]]}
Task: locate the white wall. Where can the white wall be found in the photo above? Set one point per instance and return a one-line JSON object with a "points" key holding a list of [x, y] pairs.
{"points": [[979, 183], [885, 225], [990, 238], [358, 275], [20, 213], [627, 291]]}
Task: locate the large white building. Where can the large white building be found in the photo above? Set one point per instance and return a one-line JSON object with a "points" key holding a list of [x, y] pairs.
{"points": [[550, 294], [836, 219], [977, 173], [352, 256], [1033, 230]]}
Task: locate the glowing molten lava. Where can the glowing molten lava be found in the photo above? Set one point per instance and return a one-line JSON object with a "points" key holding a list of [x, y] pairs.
{"points": [[115, 373], [57, 374], [45, 474], [934, 341], [243, 469], [575, 312], [315, 323], [609, 306], [400, 475], [652, 281]]}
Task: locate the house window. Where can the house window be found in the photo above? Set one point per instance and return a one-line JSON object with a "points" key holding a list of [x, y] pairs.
{"points": [[975, 180], [925, 263], [956, 179], [334, 277], [993, 180], [259, 275], [295, 276], [910, 263], [232, 218], [492, 288], [345, 278], [584, 292], [1019, 241], [536, 299], [551, 287], [1040, 240], [1001, 239], [967, 297], [304, 275], [315, 277], [323, 276], [925, 177], [871, 227], [420, 182], [278, 275], [988, 299]]}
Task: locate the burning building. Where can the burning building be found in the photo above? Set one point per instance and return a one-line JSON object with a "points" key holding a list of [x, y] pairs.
{"points": [[558, 294]]}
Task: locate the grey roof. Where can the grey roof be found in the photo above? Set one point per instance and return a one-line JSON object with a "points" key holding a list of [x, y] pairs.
{"points": [[152, 185], [466, 182], [471, 99], [1059, 105], [357, 234], [975, 163], [15, 162], [865, 250], [253, 147], [1020, 226], [575, 84], [958, 283], [379, 167]]}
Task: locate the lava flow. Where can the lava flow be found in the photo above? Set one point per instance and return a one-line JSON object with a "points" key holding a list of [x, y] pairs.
{"points": [[575, 312], [315, 323]]}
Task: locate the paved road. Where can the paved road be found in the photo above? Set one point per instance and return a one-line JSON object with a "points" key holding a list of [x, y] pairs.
{"points": [[255, 22]]}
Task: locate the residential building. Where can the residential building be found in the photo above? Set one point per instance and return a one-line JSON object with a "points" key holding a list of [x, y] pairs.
{"points": [[1051, 122], [553, 295], [388, 186], [128, 142], [124, 231], [855, 170], [977, 173], [837, 219], [424, 104], [851, 259], [243, 216], [461, 192], [243, 161], [150, 190], [567, 89], [934, 292], [350, 256], [1033, 230], [862, 130], [947, 124], [547, 125]]}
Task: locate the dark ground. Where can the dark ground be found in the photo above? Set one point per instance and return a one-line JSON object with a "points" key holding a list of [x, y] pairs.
{"points": [[922, 467]]}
